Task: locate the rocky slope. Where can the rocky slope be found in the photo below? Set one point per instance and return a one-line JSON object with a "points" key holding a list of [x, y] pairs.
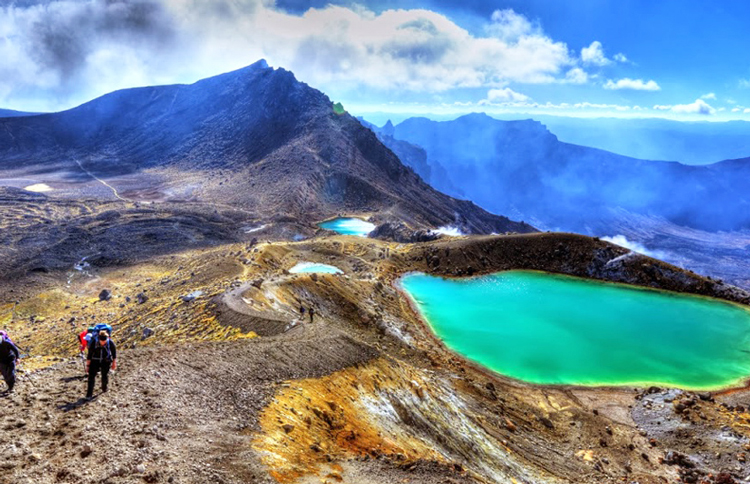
{"points": [[256, 139], [9, 113], [364, 394]]}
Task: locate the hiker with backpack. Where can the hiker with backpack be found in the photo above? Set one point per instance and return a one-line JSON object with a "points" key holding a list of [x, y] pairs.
{"points": [[84, 339], [102, 357], [8, 355]]}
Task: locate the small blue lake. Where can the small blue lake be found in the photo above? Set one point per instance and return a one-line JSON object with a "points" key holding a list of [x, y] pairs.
{"points": [[309, 267], [552, 329], [349, 226]]}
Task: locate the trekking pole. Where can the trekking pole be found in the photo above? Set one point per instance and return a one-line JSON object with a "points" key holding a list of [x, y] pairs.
{"points": [[26, 376]]}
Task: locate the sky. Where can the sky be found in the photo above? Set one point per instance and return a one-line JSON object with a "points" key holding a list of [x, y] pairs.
{"points": [[678, 59]]}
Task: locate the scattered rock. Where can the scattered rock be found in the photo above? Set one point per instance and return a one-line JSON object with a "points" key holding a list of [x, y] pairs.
{"points": [[141, 298], [192, 296], [105, 295], [86, 451]]}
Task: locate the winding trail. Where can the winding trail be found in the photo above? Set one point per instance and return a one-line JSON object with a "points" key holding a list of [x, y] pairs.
{"points": [[114, 190]]}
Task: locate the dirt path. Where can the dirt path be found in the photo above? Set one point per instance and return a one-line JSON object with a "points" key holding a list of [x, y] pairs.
{"points": [[182, 414]]}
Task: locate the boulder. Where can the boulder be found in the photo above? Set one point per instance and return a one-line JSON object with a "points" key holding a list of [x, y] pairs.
{"points": [[399, 232]]}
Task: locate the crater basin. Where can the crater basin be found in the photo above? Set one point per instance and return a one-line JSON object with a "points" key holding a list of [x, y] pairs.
{"points": [[552, 329]]}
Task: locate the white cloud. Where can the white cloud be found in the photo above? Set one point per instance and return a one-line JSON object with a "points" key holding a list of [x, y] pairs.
{"points": [[698, 107], [736, 110], [620, 57], [710, 95], [635, 84], [511, 26], [576, 75], [505, 95], [594, 54], [449, 230], [744, 83], [634, 246], [76, 50], [746, 111]]}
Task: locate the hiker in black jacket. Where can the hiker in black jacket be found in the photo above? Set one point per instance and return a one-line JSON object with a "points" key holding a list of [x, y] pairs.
{"points": [[8, 356], [102, 355]]}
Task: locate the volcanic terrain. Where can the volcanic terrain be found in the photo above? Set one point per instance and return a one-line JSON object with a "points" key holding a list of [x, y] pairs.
{"points": [[175, 214]]}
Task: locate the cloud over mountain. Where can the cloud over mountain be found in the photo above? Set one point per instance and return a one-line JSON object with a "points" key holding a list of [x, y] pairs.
{"points": [[76, 49], [700, 107]]}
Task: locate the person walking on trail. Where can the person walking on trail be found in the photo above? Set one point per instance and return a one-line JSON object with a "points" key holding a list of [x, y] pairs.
{"points": [[84, 339], [8, 356], [312, 313], [101, 358]]}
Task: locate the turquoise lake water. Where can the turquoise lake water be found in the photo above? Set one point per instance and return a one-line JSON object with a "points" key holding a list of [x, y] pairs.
{"points": [[349, 226], [307, 267], [551, 329]]}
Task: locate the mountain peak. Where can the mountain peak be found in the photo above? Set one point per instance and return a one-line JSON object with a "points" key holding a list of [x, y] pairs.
{"points": [[255, 138], [388, 128]]}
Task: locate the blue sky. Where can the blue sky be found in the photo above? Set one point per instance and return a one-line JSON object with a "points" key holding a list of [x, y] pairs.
{"points": [[677, 59]]}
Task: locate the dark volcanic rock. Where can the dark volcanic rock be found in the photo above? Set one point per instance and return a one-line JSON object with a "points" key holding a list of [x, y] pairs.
{"points": [[398, 232]]}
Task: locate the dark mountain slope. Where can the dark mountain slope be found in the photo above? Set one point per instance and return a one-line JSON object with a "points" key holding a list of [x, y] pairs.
{"points": [[255, 138], [9, 113], [520, 168]]}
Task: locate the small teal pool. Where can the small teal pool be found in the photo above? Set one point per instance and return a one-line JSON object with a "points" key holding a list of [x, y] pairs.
{"points": [[551, 329], [349, 226], [307, 267]]}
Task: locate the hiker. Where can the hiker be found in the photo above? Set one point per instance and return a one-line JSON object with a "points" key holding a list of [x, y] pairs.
{"points": [[312, 313], [8, 356], [84, 338], [102, 356]]}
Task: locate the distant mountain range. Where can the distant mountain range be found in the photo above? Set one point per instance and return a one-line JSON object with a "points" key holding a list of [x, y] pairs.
{"points": [[256, 139], [690, 143], [694, 216], [522, 169]]}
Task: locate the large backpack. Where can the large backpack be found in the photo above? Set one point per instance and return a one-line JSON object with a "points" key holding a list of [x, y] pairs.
{"points": [[100, 327]]}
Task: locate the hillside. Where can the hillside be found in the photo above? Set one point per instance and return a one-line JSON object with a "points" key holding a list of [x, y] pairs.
{"points": [[255, 139], [10, 113], [364, 394]]}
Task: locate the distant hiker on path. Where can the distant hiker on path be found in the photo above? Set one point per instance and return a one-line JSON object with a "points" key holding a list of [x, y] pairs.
{"points": [[312, 313], [8, 356], [102, 356]]}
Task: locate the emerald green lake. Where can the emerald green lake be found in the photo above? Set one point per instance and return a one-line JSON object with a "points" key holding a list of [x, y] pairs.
{"points": [[551, 329]]}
